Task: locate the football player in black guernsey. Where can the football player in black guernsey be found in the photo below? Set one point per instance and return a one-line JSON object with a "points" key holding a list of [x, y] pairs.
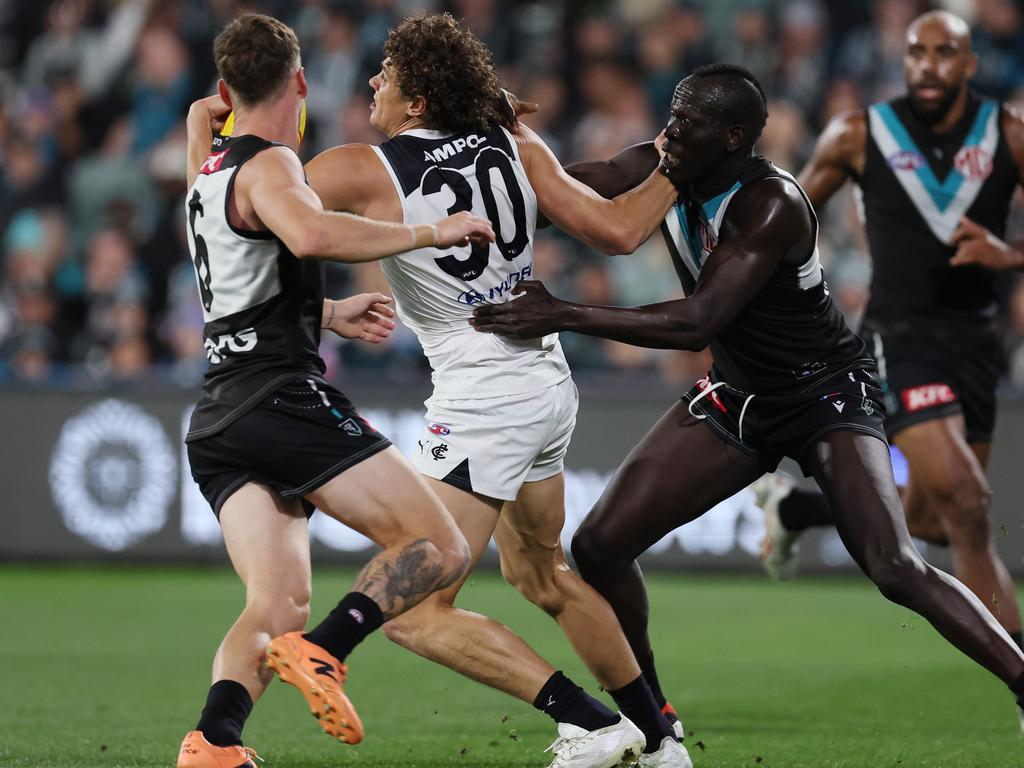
{"points": [[270, 438], [789, 377], [937, 169]]}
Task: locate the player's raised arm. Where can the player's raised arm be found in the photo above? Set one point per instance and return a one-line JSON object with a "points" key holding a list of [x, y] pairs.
{"points": [[613, 226], [205, 117], [838, 155], [774, 224], [274, 184], [624, 171]]}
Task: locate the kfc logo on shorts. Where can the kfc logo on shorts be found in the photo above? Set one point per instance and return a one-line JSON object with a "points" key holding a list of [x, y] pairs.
{"points": [[974, 163], [906, 161], [927, 396], [439, 429]]}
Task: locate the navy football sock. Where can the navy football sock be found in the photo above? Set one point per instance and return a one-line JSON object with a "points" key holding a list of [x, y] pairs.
{"points": [[565, 702], [637, 703]]}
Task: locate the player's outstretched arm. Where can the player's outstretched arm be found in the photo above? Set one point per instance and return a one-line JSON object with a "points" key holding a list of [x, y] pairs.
{"points": [[613, 226], [623, 172], [771, 223], [838, 155], [274, 186]]}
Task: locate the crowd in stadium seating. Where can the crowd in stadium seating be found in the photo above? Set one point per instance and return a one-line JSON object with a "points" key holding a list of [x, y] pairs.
{"points": [[95, 282]]}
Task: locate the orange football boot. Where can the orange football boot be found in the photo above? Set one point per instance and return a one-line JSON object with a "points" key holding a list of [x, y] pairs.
{"points": [[197, 752], [318, 676]]}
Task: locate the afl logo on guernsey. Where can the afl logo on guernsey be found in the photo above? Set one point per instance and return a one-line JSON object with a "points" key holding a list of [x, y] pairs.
{"points": [[974, 163], [906, 161]]}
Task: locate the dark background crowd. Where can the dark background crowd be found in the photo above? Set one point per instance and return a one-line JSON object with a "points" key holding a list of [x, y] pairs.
{"points": [[96, 286]]}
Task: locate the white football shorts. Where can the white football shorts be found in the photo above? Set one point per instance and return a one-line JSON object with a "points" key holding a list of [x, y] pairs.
{"points": [[494, 445]]}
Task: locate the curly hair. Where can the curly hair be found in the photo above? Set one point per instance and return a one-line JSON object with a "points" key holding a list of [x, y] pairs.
{"points": [[433, 57]]}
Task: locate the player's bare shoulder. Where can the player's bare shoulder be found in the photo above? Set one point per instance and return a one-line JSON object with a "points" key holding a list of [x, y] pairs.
{"points": [[1011, 121], [352, 178], [772, 206]]}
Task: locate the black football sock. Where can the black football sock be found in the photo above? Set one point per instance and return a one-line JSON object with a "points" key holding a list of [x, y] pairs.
{"points": [[651, 676], [1018, 638], [636, 702], [1018, 691], [1018, 687], [565, 702], [354, 618], [804, 509], [228, 705]]}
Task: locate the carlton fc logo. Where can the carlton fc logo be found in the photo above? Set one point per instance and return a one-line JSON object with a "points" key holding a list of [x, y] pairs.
{"points": [[974, 163], [906, 161]]}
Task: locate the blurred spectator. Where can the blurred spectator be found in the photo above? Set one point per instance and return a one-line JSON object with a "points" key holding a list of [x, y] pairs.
{"points": [[998, 37], [331, 71], [95, 278], [872, 56]]}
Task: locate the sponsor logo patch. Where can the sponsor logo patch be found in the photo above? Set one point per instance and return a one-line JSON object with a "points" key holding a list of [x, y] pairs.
{"points": [[927, 396], [974, 163], [906, 161], [212, 163], [441, 430], [351, 427]]}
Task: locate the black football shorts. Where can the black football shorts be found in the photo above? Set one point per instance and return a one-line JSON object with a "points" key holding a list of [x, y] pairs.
{"points": [[294, 441], [769, 427], [931, 376]]}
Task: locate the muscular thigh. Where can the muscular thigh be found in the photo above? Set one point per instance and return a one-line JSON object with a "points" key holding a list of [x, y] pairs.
{"points": [[267, 539], [677, 472], [854, 472], [475, 515], [531, 526], [939, 457], [383, 498]]}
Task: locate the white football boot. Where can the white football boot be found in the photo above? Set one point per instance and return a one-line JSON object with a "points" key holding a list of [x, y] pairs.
{"points": [[779, 547], [671, 754], [613, 745]]}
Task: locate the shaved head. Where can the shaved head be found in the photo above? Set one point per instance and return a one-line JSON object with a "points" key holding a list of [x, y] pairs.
{"points": [[943, 22], [938, 62]]}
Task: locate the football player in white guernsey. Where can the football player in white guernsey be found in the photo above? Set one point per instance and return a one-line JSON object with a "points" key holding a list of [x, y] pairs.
{"points": [[270, 438], [502, 412]]}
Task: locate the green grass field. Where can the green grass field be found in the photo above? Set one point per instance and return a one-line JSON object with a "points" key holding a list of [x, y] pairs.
{"points": [[109, 667]]}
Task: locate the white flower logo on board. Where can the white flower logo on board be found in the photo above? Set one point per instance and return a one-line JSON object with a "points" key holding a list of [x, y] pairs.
{"points": [[112, 474]]}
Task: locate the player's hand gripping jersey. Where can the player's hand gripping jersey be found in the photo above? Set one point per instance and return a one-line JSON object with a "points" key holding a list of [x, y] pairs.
{"points": [[438, 175]]}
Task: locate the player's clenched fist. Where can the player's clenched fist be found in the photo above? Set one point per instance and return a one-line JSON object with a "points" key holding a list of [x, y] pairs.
{"points": [[461, 229]]}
